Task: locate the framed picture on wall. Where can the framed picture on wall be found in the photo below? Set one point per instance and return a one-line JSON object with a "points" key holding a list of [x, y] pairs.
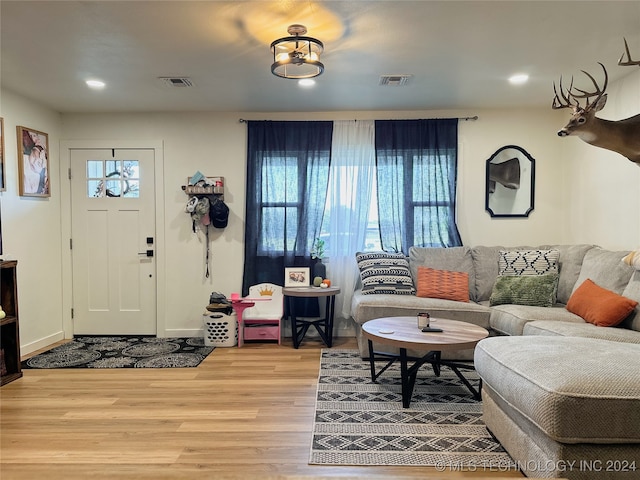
{"points": [[33, 163], [2, 174], [296, 277]]}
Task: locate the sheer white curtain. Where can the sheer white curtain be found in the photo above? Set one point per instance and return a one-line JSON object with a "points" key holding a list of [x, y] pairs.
{"points": [[351, 186]]}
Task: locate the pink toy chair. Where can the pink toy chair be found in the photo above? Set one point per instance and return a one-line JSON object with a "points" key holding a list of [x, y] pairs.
{"points": [[263, 320]]}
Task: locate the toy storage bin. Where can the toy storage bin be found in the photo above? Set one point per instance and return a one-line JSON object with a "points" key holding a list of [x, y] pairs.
{"points": [[220, 330], [262, 330]]}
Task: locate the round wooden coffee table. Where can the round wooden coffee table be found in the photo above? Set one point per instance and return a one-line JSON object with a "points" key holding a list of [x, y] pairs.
{"points": [[403, 333]]}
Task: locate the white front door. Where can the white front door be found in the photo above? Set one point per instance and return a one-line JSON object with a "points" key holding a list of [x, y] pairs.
{"points": [[113, 241]]}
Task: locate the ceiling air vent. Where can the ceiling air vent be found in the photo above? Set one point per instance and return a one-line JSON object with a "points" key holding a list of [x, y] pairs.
{"points": [[394, 80], [176, 81]]}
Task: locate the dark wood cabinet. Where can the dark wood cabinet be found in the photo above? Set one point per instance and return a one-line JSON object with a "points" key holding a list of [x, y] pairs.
{"points": [[9, 326]]}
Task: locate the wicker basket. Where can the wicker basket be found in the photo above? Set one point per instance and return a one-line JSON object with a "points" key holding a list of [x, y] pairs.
{"points": [[220, 330]]}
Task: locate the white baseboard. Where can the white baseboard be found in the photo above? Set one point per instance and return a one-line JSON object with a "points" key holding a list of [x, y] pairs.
{"points": [[40, 344], [181, 333], [286, 333], [341, 328]]}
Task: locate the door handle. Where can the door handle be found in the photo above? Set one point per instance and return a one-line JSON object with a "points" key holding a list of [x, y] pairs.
{"points": [[148, 253]]}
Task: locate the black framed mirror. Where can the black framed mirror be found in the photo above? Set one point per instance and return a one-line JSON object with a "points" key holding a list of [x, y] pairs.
{"points": [[510, 182]]}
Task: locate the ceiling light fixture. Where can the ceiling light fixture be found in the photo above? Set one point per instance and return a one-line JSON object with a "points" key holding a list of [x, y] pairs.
{"points": [[95, 84], [297, 56], [519, 79]]}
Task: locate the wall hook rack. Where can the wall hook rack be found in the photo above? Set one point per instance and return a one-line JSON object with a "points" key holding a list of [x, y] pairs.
{"points": [[210, 186]]}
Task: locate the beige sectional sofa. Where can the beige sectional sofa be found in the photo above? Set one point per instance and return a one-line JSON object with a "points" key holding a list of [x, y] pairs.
{"points": [[564, 397], [560, 394], [481, 263]]}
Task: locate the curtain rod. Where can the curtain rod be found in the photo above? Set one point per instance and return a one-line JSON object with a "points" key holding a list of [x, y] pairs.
{"points": [[475, 117]]}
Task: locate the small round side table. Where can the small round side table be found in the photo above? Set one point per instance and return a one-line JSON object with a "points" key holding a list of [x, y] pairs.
{"points": [[299, 326]]}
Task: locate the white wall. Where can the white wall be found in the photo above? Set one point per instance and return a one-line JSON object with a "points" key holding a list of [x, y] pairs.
{"points": [[31, 231], [534, 131], [602, 190], [215, 144]]}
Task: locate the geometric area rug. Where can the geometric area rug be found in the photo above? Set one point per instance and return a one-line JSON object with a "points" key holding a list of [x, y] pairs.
{"points": [[358, 422], [93, 351]]}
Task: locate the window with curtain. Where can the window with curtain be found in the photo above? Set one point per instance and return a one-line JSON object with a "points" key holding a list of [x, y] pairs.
{"points": [[349, 225], [416, 168], [287, 175], [377, 185]]}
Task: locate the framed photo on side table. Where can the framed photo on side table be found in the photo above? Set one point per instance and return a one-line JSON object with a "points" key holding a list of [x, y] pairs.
{"points": [[296, 276], [33, 163]]}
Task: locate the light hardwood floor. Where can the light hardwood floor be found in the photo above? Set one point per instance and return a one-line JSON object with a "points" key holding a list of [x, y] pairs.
{"points": [[243, 413]]}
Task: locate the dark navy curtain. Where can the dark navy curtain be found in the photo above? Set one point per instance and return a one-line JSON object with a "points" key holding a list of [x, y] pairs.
{"points": [[416, 165], [287, 178]]}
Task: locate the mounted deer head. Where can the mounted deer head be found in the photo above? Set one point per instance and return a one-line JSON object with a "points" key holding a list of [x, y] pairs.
{"points": [[622, 136], [628, 61]]}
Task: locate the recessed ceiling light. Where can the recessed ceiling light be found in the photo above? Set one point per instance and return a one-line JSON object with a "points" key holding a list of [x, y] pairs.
{"points": [[519, 79], [96, 84], [306, 82]]}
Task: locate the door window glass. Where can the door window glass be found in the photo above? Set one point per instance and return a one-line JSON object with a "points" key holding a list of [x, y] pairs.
{"points": [[113, 178]]}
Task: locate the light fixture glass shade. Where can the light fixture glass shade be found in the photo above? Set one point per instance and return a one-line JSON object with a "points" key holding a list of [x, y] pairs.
{"points": [[297, 56]]}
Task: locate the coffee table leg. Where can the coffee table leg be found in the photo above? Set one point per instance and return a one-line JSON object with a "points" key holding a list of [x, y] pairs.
{"points": [[436, 363], [407, 378], [476, 393], [372, 361]]}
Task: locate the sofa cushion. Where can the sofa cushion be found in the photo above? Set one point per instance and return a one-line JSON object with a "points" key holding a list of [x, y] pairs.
{"points": [[587, 330], [600, 306], [569, 264], [442, 284], [511, 319], [538, 378], [606, 269], [485, 266], [527, 262], [535, 290], [455, 259], [368, 307], [383, 272]]}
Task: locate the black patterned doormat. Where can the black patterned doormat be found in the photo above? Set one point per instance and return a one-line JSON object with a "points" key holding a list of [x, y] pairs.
{"points": [[123, 352], [358, 422]]}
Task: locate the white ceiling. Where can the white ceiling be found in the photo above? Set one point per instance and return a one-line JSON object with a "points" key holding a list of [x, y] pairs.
{"points": [[460, 53]]}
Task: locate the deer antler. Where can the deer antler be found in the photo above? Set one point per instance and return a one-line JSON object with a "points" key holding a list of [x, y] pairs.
{"points": [[598, 93], [629, 61], [558, 102]]}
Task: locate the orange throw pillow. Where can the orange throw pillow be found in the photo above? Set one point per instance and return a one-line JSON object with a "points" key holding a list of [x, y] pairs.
{"points": [[443, 284], [599, 306]]}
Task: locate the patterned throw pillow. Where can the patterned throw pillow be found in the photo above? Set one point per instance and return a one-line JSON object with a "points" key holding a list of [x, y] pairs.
{"points": [[443, 284], [528, 262], [535, 290], [383, 272]]}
